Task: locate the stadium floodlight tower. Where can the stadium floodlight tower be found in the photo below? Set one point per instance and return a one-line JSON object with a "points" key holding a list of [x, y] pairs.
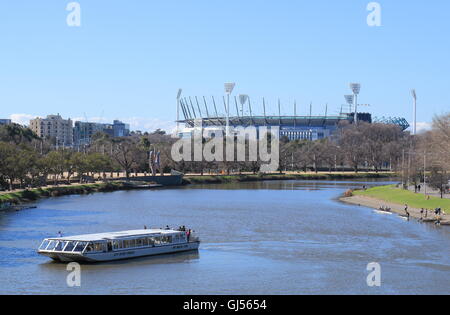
{"points": [[178, 110], [349, 99], [243, 99], [229, 87], [414, 95], [356, 88]]}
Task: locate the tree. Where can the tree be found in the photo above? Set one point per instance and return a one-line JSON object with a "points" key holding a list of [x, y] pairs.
{"points": [[352, 144], [57, 164], [439, 179], [127, 154], [16, 134], [78, 163]]}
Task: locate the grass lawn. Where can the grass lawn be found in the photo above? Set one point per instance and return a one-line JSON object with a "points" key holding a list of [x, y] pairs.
{"points": [[400, 196]]}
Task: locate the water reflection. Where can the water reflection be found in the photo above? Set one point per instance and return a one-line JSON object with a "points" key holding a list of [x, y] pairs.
{"points": [[176, 258]]}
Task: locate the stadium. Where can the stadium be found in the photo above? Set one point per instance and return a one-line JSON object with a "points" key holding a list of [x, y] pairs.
{"points": [[205, 113]]}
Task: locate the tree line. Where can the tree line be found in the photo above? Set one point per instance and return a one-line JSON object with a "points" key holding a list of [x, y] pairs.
{"points": [[26, 160]]}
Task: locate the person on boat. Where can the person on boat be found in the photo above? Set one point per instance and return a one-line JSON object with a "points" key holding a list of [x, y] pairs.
{"points": [[188, 234], [145, 227], [167, 227], [60, 234]]}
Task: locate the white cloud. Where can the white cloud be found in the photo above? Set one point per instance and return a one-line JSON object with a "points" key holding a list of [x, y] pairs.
{"points": [[22, 119], [423, 126], [149, 124]]}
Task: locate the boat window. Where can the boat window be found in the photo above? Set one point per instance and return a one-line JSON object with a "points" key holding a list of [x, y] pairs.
{"points": [[44, 245], [157, 240], [80, 246], [90, 248], [151, 241], [60, 246], [179, 238], [117, 244], [69, 247], [139, 242], [98, 247], [166, 239], [128, 243], [145, 241], [52, 245]]}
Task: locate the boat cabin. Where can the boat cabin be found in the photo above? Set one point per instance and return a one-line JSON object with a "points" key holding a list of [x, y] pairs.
{"points": [[112, 242]]}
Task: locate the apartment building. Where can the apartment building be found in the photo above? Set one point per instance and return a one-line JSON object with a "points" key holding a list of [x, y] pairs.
{"points": [[54, 127]]}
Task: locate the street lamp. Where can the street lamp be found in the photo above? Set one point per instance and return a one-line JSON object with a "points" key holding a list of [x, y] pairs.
{"points": [[356, 88], [414, 95], [229, 87]]}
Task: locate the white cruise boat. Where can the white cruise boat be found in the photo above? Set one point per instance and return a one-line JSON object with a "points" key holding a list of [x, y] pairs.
{"points": [[118, 245]]}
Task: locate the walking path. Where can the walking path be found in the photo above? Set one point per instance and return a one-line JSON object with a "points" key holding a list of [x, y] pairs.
{"points": [[430, 191]]}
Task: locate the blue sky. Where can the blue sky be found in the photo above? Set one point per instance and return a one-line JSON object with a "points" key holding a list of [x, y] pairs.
{"points": [[128, 58]]}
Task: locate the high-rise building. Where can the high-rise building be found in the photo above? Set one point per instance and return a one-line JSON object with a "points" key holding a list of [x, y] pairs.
{"points": [[120, 129], [54, 127], [83, 132]]}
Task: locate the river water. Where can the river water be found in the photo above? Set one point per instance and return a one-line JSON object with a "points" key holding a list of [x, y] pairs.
{"points": [[277, 237]]}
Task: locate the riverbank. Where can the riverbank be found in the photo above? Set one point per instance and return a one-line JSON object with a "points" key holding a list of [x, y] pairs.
{"points": [[30, 195], [223, 179], [394, 198]]}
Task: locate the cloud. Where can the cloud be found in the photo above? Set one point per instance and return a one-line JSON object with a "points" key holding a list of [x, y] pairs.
{"points": [[149, 124], [22, 119], [423, 127]]}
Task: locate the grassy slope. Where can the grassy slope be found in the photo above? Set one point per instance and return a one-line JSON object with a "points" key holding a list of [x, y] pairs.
{"points": [[400, 196]]}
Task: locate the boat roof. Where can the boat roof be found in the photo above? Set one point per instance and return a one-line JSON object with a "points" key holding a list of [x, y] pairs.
{"points": [[114, 235]]}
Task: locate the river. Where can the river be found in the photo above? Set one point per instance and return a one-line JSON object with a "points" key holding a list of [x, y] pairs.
{"points": [[276, 237]]}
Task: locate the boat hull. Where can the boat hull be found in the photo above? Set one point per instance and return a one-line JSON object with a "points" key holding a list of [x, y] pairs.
{"points": [[121, 255]]}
